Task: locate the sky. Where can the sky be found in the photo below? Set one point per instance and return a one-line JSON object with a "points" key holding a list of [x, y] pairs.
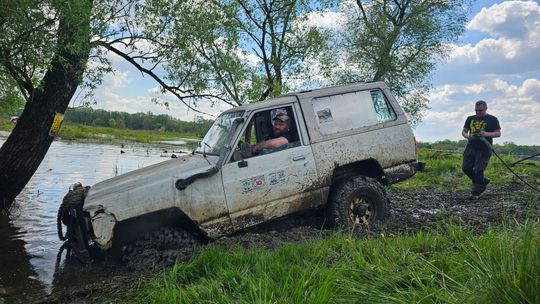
{"points": [[496, 60]]}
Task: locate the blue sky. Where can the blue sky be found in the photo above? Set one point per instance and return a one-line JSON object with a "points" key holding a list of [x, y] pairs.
{"points": [[497, 60]]}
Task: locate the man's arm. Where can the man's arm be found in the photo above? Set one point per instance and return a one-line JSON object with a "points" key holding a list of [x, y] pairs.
{"points": [[465, 133], [496, 133], [270, 144]]}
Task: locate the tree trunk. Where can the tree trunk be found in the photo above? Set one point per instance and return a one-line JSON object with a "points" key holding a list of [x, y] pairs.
{"points": [[25, 148]]}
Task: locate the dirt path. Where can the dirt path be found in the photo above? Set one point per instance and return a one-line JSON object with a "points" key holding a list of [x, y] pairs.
{"points": [[411, 210]]}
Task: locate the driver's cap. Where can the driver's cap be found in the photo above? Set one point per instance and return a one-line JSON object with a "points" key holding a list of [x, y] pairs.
{"points": [[282, 117]]}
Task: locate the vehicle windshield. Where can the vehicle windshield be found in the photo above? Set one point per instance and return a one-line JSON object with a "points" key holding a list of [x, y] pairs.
{"points": [[216, 137]]}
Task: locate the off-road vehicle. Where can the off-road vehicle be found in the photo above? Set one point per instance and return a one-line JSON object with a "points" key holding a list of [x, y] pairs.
{"points": [[346, 143]]}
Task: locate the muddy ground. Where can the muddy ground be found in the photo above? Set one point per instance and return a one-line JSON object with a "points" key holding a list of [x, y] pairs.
{"points": [[410, 211]]}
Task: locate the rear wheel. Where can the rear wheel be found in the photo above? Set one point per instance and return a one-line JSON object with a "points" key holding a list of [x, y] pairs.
{"points": [[359, 201]]}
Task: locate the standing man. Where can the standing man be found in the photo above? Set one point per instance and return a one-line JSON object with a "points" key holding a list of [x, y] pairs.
{"points": [[479, 130]]}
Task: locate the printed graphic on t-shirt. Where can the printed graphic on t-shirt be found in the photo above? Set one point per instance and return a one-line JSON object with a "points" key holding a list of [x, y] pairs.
{"points": [[477, 126]]}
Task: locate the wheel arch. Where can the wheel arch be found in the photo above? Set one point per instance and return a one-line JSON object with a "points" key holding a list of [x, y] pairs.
{"points": [[133, 228], [368, 167]]}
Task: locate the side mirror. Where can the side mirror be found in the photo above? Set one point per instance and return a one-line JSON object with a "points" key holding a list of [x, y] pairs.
{"points": [[242, 164]]}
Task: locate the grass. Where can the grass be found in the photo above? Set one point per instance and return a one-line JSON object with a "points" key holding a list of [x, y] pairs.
{"points": [[6, 125], [106, 134], [443, 172], [450, 265]]}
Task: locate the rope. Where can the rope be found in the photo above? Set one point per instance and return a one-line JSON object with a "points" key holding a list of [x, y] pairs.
{"points": [[59, 218], [528, 157], [506, 165]]}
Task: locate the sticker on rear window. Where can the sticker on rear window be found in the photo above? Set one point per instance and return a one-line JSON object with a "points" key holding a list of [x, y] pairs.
{"points": [[325, 115]]}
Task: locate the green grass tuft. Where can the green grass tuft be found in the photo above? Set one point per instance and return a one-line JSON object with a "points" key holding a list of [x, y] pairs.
{"points": [[443, 172], [449, 265]]}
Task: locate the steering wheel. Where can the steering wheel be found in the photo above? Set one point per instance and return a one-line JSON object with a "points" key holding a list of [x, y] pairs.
{"points": [[245, 149]]}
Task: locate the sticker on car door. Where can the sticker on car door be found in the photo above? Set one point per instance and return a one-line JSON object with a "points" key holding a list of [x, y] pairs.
{"points": [[259, 182]]}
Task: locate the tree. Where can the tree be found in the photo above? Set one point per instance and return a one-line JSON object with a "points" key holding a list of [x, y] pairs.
{"points": [[46, 46], [10, 101], [26, 24], [243, 50], [399, 42]]}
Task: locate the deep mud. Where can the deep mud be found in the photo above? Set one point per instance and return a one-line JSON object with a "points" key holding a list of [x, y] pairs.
{"points": [[410, 211]]}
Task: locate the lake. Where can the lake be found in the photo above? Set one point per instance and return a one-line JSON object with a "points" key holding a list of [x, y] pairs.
{"points": [[28, 239]]}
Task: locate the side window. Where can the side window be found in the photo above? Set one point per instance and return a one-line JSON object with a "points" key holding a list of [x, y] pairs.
{"points": [[350, 111], [249, 135], [266, 132], [382, 106]]}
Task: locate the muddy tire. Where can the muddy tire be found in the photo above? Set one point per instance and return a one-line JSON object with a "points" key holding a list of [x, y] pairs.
{"points": [[359, 201], [75, 197], [161, 248]]}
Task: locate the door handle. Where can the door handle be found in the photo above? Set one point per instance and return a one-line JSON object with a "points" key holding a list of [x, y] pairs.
{"points": [[298, 157]]}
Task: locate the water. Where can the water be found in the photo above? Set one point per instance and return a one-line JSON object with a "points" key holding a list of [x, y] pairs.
{"points": [[28, 239]]}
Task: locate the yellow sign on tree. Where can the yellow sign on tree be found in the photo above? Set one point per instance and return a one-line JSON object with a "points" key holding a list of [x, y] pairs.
{"points": [[57, 123]]}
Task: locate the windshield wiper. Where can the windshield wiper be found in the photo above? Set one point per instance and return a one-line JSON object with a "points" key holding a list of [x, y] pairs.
{"points": [[204, 148]]}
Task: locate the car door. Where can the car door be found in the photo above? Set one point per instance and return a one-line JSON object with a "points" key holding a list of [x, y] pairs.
{"points": [[266, 186]]}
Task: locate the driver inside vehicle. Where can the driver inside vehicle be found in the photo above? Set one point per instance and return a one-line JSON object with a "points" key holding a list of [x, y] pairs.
{"points": [[281, 135]]}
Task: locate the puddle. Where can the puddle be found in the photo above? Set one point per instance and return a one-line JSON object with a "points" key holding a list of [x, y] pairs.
{"points": [[28, 239]]}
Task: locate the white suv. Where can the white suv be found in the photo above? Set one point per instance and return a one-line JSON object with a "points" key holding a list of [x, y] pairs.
{"points": [[344, 144]]}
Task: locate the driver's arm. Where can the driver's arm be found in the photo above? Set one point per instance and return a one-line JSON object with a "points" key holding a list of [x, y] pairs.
{"points": [[270, 144]]}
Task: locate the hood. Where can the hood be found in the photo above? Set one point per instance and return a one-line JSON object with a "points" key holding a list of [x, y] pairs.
{"points": [[151, 186]]}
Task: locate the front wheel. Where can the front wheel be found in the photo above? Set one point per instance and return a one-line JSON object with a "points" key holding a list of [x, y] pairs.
{"points": [[160, 248], [357, 201]]}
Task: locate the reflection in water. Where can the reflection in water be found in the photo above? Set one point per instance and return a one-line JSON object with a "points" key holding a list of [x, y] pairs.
{"points": [[15, 268], [28, 241]]}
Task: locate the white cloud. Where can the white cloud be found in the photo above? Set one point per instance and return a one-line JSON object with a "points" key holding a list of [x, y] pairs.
{"points": [[117, 79], [249, 58], [502, 69], [326, 20], [509, 19], [474, 89], [516, 106], [513, 48], [111, 101]]}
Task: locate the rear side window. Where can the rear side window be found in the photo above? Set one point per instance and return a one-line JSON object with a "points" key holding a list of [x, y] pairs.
{"points": [[382, 106], [350, 111]]}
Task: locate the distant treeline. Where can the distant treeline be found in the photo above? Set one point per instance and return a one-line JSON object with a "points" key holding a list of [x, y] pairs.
{"points": [[137, 121], [508, 148]]}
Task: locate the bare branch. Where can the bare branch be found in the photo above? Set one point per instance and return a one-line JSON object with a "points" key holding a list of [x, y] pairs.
{"points": [[250, 16], [23, 80], [172, 89], [221, 78]]}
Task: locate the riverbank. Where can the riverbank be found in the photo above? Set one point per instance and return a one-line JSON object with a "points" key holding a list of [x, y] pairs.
{"points": [[93, 134]]}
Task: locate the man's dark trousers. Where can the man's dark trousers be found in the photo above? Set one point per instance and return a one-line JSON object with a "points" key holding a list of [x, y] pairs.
{"points": [[475, 162]]}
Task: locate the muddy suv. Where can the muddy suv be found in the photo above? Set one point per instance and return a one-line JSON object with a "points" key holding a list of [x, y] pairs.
{"points": [[343, 144]]}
